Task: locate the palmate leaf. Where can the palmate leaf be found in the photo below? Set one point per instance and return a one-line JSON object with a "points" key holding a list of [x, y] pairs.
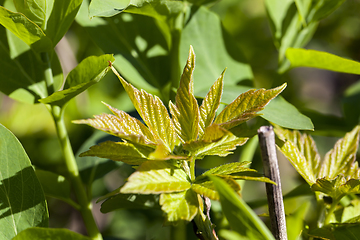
{"points": [[123, 126], [301, 152], [246, 106], [340, 159], [338, 187], [186, 112], [153, 112], [210, 104], [153, 177], [180, 206], [119, 151]]}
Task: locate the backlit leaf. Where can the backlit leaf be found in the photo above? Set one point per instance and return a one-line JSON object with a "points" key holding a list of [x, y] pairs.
{"points": [[22, 200], [301, 151], [153, 112], [155, 177], [229, 168], [186, 115], [119, 151], [35, 10], [207, 188], [323, 60], [90, 71], [246, 106], [179, 206], [25, 29], [341, 157], [210, 104], [49, 233]]}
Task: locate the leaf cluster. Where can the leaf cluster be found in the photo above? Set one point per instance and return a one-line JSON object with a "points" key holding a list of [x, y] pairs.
{"points": [[164, 149]]}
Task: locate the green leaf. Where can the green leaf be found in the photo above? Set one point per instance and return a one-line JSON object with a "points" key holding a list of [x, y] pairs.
{"points": [[35, 10], [215, 50], [350, 213], [90, 71], [130, 201], [337, 231], [107, 8], [242, 219], [210, 104], [322, 9], [246, 106], [282, 113], [322, 60], [337, 188], [155, 177], [301, 151], [207, 188], [153, 112], [341, 158], [229, 168], [61, 18], [54, 185], [49, 233], [215, 141], [186, 112], [22, 200], [119, 151], [179, 206], [25, 29]]}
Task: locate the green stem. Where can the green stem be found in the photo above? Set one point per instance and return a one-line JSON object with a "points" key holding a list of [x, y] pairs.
{"points": [[330, 212], [192, 169], [48, 73], [70, 162]]}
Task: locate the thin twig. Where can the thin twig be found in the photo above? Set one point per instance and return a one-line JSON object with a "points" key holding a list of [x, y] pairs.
{"points": [[274, 193]]}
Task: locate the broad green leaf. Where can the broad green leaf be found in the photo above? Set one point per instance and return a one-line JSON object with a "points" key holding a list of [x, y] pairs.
{"points": [[155, 177], [35, 10], [337, 188], [54, 185], [301, 151], [220, 142], [229, 168], [344, 231], [282, 113], [22, 200], [207, 188], [210, 104], [142, 52], [242, 219], [90, 71], [107, 8], [49, 233], [153, 112], [25, 29], [61, 18], [322, 60], [119, 151], [215, 50], [130, 201], [122, 125], [351, 213], [340, 159], [246, 106], [179, 206], [186, 112]]}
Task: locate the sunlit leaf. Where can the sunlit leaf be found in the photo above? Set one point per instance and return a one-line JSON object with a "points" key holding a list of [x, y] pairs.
{"points": [[35, 10], [49, 233], [179, 206], [241, 217], [186, 113], [90, 71], [301, 151], [229, 168], [25, 29], [155, 177], [22, 200], [322, 60], [119, 151], [210, 104], [341, 157], [153, 112], [246, 106], [207, 188]]}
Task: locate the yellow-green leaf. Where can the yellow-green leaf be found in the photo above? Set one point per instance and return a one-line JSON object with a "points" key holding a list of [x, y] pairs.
{"points": [[207, 188], [210, 104], [340, 159], [186, 113], [246, 106], [153, 112], [179, 206], [153, 177], [119, 151]]}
